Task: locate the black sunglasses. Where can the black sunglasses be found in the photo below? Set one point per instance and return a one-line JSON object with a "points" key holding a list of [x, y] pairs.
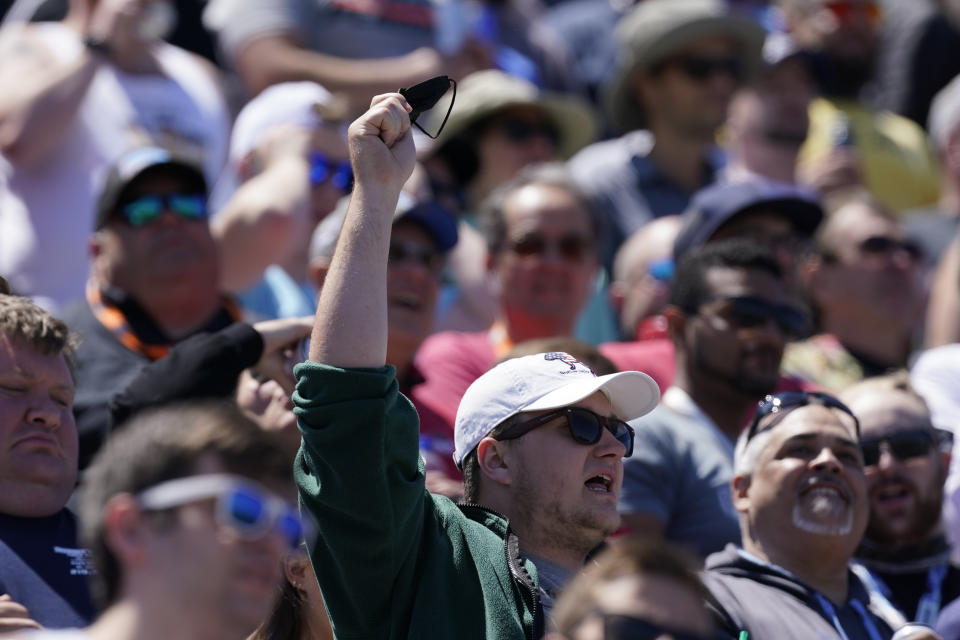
{"points": [[883, 245], [401, 252], [748, 312], [903, 445], [617, 627], [586, 427], [519, 131], [791, 399], [702, 68], [572, 247]]}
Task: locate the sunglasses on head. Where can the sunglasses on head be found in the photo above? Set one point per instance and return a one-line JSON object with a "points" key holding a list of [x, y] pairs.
{"points": [[748, 312], [702, 68], [619, 627], [661, 270], [322, 168], [572, 248], [586, 427], [241, 505], [145, 209], [402, 252], [773, 404], [519, 131], [902, 445], [884, 245]]}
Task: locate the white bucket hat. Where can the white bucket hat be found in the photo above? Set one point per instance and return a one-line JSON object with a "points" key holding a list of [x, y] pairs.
{"points": [[540, 382]]}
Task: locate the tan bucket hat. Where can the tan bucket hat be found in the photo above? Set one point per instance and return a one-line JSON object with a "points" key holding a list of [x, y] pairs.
{"points": [[483, 93], [657, 28]]}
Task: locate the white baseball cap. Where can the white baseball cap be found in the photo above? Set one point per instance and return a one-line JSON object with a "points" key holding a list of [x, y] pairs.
{"points": [[540, 382]]}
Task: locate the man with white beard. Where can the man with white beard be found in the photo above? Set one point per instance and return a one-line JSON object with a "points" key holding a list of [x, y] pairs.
{"points": [[800, 491]]}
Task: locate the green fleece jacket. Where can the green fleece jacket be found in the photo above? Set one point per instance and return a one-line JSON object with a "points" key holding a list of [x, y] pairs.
{"points": [[393, 560]]}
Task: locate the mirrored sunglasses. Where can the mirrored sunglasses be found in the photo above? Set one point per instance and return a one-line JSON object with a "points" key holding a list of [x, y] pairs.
{"points": [[145, 209], [322, 169], [902, 445], [778, 403], [241, 505], [618, 627], [572, 248], [585, 426]]}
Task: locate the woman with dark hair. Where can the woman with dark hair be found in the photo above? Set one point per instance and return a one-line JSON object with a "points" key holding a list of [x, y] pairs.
{"points": [[299, 613]]}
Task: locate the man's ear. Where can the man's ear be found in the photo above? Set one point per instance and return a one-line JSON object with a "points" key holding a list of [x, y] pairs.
{"points": [[676, 323], [740, 492], [125, 530], [493, 460]]}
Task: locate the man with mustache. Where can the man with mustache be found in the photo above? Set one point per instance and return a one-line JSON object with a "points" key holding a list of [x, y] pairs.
{"points": [[801, 494], [729, 318], [904, 552]]}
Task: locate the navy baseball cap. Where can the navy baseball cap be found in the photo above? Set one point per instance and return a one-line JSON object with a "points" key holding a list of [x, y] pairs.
{"points": [[717, 204]]}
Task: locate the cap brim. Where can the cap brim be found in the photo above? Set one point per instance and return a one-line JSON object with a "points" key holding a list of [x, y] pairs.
{"points": [[631, 393]]}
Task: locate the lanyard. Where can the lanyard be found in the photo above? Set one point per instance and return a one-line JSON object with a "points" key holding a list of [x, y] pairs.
{"points": [[831, 613], [115, 322], [929, 604]]}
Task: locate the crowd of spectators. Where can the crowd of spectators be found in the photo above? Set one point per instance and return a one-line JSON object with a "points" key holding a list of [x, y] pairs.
{"points": [[650, 328]]}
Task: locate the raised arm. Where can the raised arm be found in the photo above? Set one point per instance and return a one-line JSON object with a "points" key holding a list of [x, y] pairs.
{"points": [[39, 95], [279, 58], [351, 322]]}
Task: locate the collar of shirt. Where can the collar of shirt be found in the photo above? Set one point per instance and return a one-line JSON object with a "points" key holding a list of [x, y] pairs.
{"points": [[679, 401]]}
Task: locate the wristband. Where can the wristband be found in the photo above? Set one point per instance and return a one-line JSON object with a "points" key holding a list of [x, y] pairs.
{"points": [[97, 46]]}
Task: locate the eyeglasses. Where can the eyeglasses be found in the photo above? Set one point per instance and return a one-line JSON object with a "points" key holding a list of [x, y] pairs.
{"points": [[145, 209], [586, 427], [520, 131], [884, 245], [748, 312], [401, 252], [572, 248], [786, 400], [702, 68], [845, 11], [902, 445], [322, 168], [619, 627], [240, 505]]}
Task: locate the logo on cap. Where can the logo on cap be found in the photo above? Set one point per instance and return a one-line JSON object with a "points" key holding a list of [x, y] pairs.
{"points": [[566, 358]]}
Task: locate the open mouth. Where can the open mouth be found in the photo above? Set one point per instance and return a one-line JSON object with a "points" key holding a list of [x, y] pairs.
{"points": [[600, 483], [825, 490], [892, 494]]}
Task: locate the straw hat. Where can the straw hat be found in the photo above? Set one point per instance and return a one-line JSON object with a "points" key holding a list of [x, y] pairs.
{"points": [[483, 93], [654, 30]]}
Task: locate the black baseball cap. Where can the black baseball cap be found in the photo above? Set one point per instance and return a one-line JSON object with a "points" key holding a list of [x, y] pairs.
{"points": [[134, 164], [718, 203]]}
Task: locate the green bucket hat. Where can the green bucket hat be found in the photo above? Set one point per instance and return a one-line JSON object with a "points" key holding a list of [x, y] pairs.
{"points": [[654, 30]]}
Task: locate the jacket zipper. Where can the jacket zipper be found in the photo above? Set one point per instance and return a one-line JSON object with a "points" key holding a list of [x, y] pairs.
{"points": [[519, 573]]}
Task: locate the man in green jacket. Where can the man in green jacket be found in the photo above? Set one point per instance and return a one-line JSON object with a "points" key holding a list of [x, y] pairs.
{"points": [[541, 438]]}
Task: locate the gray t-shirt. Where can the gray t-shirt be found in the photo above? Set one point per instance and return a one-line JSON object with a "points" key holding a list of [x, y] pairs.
{"points": [[680, 472]]}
